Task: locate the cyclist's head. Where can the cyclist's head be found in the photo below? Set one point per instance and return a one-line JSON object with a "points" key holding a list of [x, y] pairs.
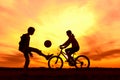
{"points": [[31, 30], [69, 33]]}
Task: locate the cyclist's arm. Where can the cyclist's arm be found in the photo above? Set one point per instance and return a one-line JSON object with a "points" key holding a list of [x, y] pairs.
{"points": [[66, 43]]}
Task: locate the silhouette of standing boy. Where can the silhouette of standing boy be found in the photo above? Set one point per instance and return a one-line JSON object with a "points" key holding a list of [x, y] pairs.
{"points": [[73, 41], [24, 47]]}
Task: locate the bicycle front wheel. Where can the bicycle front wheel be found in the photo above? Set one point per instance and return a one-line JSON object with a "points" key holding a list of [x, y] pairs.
{"points": [[55, 62], [82, 61]]}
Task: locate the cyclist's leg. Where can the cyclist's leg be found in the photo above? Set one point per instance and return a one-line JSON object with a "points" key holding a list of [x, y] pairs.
{"points": [[71, 51], [68, 52]]}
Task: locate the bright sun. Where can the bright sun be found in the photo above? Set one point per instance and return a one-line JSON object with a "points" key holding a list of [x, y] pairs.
{"points": [[77, 19], [54, 26]]}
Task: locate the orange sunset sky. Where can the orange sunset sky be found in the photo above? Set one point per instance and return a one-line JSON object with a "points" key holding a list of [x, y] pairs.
{"points": [[95, 24]]}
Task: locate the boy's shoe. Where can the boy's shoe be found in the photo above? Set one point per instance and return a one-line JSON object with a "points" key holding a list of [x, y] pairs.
{"points": [[72, 63], [67, 60], [31, 55], [48, 56]]}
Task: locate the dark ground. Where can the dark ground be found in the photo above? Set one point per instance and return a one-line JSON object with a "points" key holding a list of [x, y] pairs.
{"points": [[64, 74]]}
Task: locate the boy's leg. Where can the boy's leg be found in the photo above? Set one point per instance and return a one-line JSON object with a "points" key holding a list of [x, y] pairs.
{"points": [[27, 61], [39, 52]]}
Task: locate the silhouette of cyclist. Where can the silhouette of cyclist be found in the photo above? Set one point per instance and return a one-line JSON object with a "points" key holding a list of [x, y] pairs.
{"points": [[24, 47], [73, 41]]}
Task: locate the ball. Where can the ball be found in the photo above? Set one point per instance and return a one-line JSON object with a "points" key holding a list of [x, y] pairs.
{"points": [[47, 43]]}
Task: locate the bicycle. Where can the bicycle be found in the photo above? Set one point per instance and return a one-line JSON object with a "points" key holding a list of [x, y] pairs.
{"points": [[56, 62]]}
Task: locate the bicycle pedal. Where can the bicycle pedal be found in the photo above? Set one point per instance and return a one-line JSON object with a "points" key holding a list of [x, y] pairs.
{"points": [[66, 60], [81, 63], [72, 63]]}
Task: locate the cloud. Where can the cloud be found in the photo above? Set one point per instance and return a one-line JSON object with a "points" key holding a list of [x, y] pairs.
{"points": [[7, 45], [110, 54], [13, 60], [6, 11], [6, 3], [108, 11], [100, 45]]}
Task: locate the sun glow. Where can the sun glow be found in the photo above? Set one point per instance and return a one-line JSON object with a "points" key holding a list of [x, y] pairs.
{"points": [[79, 20], [54, 27]]}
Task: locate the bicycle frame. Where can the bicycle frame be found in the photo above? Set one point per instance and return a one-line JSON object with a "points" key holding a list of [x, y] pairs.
{"points": [[79, 61], [63, 53]]}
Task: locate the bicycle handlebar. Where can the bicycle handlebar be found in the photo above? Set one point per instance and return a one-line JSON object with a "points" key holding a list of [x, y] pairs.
{"points": [[61, 47]]}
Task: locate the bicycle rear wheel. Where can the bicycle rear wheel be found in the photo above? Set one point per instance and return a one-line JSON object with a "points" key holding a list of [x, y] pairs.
{"points": [[82, 61], [55, 62]]}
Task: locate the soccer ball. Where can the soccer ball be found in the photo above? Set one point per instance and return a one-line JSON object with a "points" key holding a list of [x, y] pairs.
{"points": [[47, 43]]}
